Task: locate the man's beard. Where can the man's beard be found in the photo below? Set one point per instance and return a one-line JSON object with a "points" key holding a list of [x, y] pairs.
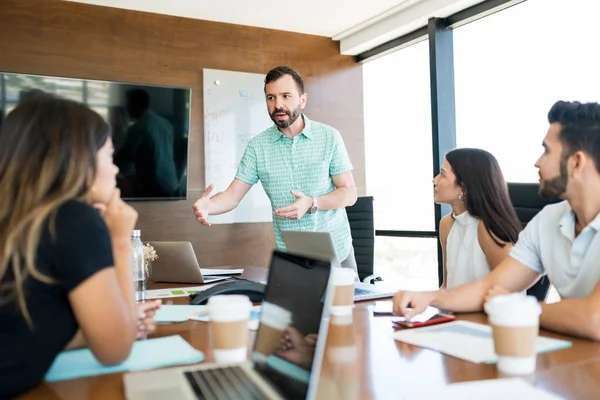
{"points": [[292, 117], [555, 187]]}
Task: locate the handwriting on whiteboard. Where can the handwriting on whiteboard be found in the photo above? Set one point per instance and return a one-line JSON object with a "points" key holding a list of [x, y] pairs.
{"points": [[213, 115], [234, 112]]}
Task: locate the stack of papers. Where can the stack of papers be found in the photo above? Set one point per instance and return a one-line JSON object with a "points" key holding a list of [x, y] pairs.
{"points": [[220, 272], [466, 340], [491, 389], [176, 292], [182, 291], [146, 354]]}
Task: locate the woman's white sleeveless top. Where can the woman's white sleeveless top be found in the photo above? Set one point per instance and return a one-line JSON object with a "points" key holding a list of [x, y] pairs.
{"points": [[465, 260]]}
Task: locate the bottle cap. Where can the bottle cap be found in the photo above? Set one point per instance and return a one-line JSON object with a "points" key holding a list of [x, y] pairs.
{"points": [[136, 233]]}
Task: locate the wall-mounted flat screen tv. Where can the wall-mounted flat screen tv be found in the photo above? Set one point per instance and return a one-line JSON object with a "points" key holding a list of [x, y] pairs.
{"points": [[150, 128]]}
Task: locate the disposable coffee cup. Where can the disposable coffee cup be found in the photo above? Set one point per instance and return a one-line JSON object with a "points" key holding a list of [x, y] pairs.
{"points": [[342, 355], [342, 280], [229, 315], [341, 342], [273, 322], [515, 321]]}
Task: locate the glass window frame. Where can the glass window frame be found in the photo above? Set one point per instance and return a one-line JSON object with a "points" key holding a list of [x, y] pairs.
{"points": [[439, 32]]}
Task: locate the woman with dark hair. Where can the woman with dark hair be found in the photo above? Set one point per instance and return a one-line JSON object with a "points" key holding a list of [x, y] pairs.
{"points": [[65, 265], [483, 225]]}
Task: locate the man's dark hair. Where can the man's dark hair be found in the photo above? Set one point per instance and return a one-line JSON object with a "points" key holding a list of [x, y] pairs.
{"points": [[279, 72], [138, 97], [580, 128]]}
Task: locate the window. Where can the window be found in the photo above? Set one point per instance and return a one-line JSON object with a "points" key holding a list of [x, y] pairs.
{"points": [[399, 159], [512, 66], [398, 147], [103, 111], [16, 87], [407, 263]]}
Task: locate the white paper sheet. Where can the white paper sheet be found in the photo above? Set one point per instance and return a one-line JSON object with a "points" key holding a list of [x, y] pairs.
{"points": [[386, 308], [490, 389], [426, 315], [466, 340]]}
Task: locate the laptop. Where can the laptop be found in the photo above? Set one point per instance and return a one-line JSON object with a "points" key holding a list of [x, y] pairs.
{"points": [[320, 246], [177, 263], [269, 375]]}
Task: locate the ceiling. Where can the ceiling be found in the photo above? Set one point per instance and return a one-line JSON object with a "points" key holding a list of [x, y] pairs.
{"points": [[318, 17], [358, 25]]}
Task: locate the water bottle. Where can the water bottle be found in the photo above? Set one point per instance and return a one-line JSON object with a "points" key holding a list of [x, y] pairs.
{"points": [[139, 267]]}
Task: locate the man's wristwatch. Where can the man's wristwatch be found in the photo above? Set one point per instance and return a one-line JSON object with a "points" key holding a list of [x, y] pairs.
{"points": [[315, 207]]}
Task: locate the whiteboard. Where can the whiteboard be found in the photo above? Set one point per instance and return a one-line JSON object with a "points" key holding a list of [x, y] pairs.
{"points": [[234, 112]]}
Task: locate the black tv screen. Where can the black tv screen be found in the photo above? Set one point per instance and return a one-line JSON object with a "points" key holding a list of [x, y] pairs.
{"points": [[150, 128]]}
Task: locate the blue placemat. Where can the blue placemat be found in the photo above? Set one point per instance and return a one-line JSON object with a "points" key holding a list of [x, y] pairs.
{"points": [[146, 354], [176, 313], [288, 368]]}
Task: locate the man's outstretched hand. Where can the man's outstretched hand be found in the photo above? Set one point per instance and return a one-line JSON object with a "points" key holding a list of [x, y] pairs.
{"points": [[201, 206], [297, 210]]}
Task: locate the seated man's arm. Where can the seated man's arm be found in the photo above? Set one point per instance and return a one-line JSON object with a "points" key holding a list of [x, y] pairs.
{"points": [[577, 317], [510, 275], [344, 194]]}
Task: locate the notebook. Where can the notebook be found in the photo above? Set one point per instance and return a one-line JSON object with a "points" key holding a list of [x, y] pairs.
{"points": [[146, 354]]}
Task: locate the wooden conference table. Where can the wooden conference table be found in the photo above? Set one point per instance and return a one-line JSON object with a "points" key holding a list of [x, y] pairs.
{"points": [[383, 368]]}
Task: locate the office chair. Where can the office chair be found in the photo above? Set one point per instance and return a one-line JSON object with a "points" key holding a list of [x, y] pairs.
{"points": [[362, 227], [528, 202]]}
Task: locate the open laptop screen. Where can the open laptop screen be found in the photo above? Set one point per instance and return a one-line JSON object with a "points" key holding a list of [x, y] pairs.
{"points": [[288, 344]]}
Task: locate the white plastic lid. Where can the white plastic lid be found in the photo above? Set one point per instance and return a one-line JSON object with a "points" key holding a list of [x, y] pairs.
{"points": [[136, 233], [513, 310], [342, 276], [229, 307]]}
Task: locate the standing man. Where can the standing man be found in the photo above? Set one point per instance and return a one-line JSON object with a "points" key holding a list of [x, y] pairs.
{"points": [[303, 166]]}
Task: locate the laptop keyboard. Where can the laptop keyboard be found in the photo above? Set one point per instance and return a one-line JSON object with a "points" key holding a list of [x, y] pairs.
{"points": [[227, 383]]}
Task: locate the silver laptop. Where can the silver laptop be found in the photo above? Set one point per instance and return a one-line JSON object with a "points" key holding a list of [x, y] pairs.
{"points": [[266, 376], [177, 263], [320, 246]]}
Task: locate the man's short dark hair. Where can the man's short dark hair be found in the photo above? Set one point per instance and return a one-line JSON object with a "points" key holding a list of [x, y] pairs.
{"points": [[580, 128], [138, 97], [279, 72]]}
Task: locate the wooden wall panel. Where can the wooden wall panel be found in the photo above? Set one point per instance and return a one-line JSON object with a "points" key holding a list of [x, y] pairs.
{"points": [[60, 38]]}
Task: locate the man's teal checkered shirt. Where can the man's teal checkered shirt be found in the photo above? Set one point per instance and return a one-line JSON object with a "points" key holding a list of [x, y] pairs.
{"points": [[307, 164]]}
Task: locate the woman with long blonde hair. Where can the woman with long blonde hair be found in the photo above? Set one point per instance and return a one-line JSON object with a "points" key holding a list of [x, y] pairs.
{"points": [[65, 269]]}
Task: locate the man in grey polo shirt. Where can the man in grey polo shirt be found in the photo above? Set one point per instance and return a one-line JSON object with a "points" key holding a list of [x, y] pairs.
{"points": [[562, 240], [303, 166]]}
